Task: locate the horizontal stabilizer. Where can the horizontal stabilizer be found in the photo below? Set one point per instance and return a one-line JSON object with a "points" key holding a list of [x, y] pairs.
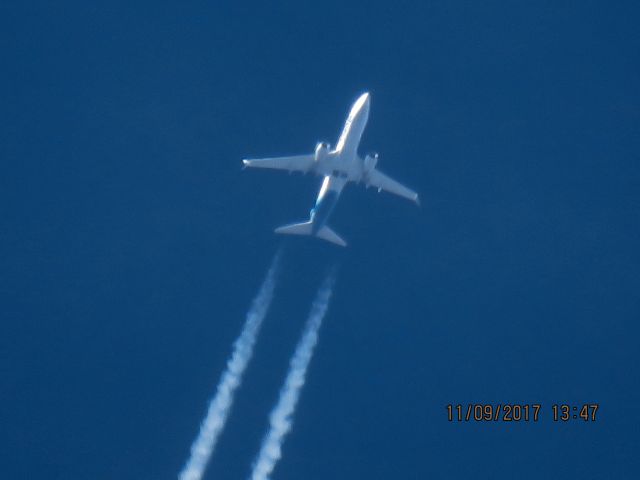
{"points": [[306, 228], [329, 235], [296, 229]]}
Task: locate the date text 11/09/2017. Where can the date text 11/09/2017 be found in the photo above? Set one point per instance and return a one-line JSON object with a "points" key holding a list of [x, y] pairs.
{"points": [[511, 412]]}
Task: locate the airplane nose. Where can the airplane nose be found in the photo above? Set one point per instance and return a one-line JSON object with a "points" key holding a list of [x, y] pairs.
{"points": [[362, 104]]}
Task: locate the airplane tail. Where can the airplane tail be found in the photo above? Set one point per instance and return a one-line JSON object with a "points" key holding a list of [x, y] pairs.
{"points": [[303, 228], [306, 228], [329, 235]]}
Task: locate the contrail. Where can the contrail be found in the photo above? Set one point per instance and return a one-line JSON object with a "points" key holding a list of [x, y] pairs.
{"points": [[221, 403], [281, 416]]}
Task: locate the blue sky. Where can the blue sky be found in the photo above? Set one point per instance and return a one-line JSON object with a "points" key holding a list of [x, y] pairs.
{"points": [[132, 241]]}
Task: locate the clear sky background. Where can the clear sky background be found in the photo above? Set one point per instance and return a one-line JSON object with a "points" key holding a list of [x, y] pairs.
{"points": [[131, 242]]}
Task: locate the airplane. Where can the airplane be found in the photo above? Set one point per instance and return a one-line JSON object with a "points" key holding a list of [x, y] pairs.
{"points": [[338, 167]]}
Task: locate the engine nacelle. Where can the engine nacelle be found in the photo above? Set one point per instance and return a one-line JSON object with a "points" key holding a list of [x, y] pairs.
{"points": [[370, 162], [322, 151]]}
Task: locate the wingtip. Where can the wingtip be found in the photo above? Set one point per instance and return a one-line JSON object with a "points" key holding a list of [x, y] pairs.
{"points": [[417, 200]]}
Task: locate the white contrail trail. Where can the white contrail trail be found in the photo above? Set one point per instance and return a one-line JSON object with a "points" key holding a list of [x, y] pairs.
{"points": [[221, 403], [281, 416]]}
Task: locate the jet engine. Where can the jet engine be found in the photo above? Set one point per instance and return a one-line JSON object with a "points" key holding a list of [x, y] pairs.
{"points": [[322, 151], [370, 162]]}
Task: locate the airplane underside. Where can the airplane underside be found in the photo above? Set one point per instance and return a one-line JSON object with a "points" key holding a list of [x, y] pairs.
{"points": [[338, 167]]}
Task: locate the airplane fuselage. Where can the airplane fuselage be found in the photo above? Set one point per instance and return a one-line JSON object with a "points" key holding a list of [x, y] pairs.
{"points": [[344, 163], [326, 201]]}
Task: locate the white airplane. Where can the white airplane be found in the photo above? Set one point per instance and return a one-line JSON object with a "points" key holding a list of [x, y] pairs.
{"points": [[338, 167]]}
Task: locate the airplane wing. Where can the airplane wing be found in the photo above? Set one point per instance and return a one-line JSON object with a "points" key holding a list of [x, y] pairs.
{"points": [[296, 163], [381, 181]]}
